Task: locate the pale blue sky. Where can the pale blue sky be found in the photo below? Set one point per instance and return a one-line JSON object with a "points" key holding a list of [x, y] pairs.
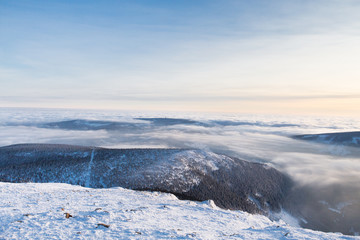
{"points": [[239, 56]]}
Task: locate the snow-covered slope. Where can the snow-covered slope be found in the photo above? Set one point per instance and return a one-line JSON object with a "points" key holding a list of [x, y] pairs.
{"points": [[40, 211], [190, 174]]}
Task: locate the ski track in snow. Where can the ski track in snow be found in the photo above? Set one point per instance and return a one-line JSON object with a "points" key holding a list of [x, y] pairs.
{"points": [[88, 178], [38, 211]]}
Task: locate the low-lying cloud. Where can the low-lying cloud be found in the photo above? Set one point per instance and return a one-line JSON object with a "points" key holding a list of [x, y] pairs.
{"points": [[321, 170], [252, 138]]}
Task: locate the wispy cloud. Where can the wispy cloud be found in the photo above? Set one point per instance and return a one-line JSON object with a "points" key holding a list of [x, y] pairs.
{"points": [[157, 52]]}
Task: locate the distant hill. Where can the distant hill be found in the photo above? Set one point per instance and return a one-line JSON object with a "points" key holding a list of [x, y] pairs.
{"points": [[339, 138]]}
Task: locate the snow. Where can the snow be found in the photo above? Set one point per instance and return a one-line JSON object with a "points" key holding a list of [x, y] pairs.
{"points": [[38, 211], [88, 177], [251, 137], [286, 217], [191, 174]]}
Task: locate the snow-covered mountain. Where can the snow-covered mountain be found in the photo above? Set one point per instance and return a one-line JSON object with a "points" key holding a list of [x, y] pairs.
{"points": [[190, 174], [187, 173], [323, 193]]}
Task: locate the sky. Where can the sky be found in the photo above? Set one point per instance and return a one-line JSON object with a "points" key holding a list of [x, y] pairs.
{"points": [[267, 57]]}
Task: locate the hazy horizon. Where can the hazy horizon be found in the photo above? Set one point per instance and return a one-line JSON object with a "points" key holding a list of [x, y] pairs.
{"points": [[255, 57]]}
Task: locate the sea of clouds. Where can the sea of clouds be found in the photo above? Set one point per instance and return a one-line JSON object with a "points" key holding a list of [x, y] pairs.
{"points": [[327, 175], [249, 137]]}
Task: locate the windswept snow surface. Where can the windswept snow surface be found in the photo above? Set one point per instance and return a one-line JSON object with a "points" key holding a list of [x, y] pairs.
{"points": [[38, 211]]}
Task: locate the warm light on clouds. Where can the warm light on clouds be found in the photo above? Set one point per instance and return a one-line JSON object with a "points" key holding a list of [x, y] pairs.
{"points": [[259, 57]]}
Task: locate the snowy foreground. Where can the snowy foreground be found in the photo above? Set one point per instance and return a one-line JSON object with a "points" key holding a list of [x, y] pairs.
{"points": [[40, 211]]}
